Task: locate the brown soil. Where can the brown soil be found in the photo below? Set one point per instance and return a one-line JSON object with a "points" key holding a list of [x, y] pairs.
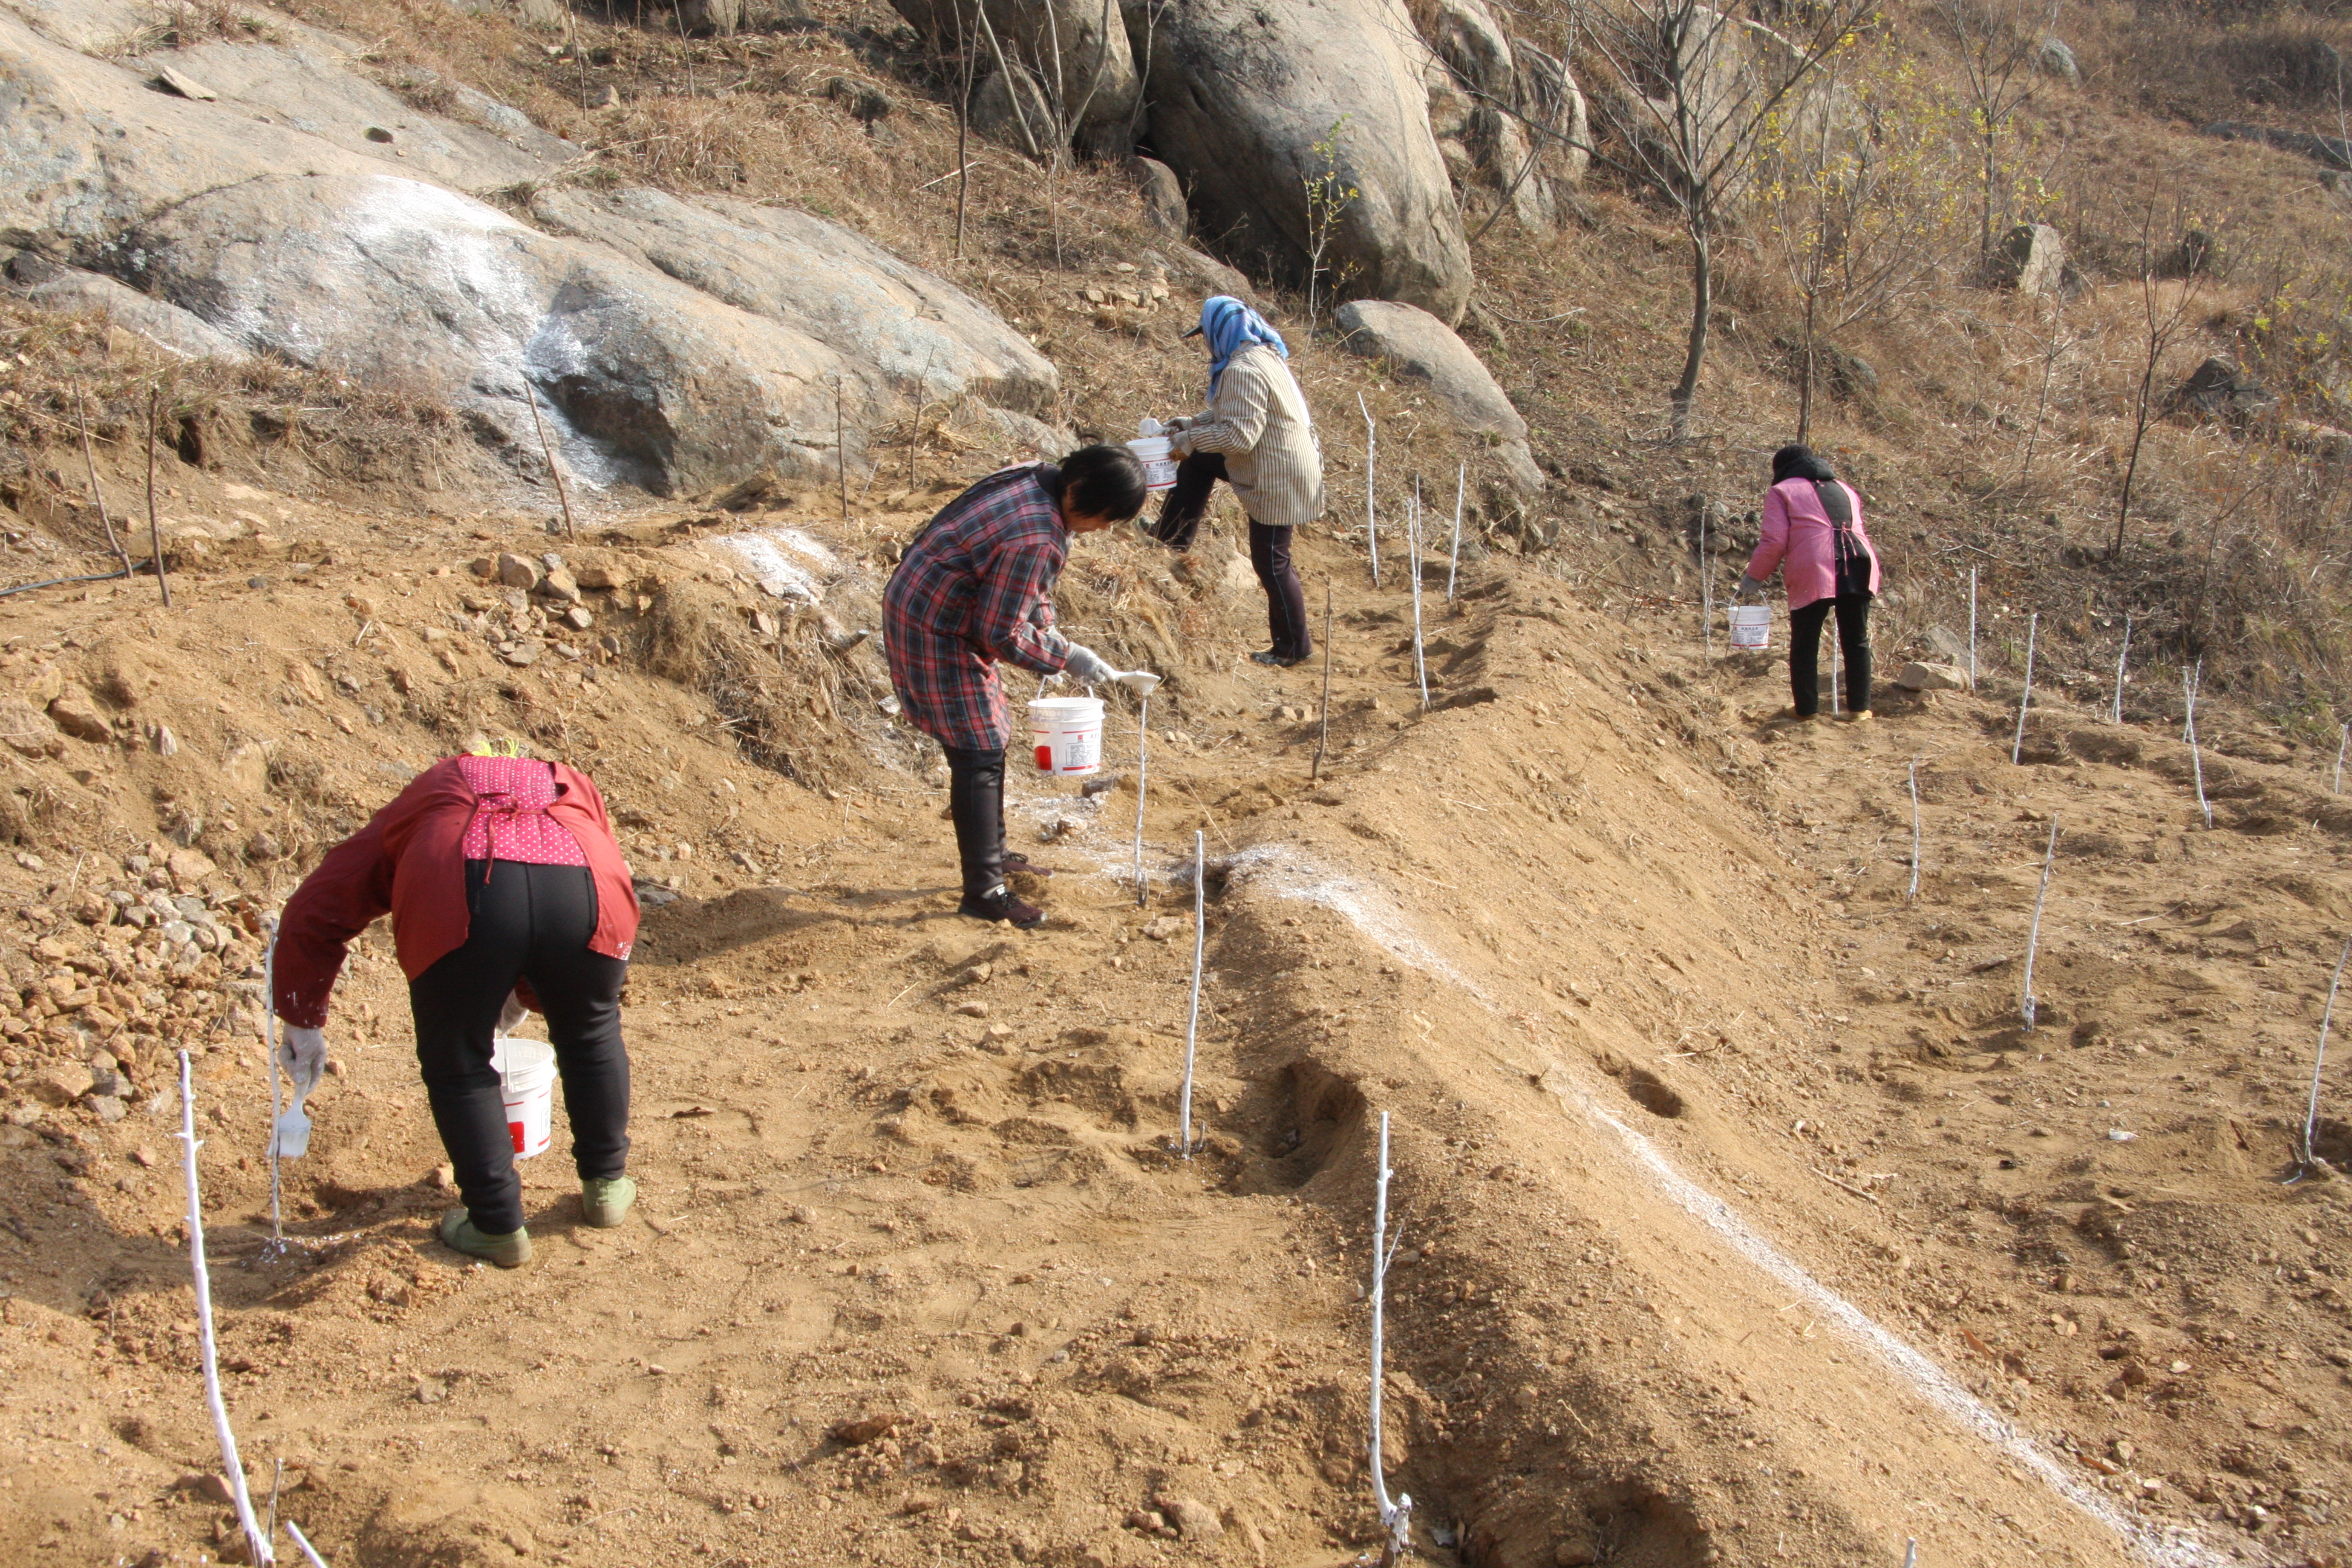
{"points": [[1742, 1223]]}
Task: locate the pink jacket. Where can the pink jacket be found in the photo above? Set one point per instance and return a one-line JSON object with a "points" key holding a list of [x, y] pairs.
{"points": [[1797, 535]]}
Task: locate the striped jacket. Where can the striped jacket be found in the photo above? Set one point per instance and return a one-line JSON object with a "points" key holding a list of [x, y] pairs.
{"points": [[971, 589], [1258, 418]]}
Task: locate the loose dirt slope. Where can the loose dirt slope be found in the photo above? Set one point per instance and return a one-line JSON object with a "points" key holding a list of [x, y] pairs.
{"points": [[1676, 1075]]}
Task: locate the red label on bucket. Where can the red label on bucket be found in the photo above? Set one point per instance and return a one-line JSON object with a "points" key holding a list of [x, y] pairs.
{"points": [[1045, 759], [514, 1131]]}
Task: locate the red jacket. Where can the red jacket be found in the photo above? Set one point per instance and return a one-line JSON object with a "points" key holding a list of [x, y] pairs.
{"points": [[405, 862]]}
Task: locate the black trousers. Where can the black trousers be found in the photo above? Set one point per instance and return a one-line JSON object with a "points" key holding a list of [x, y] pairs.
{"points": [[976, 801], [1286, 600], [529, 922], [1805, 651]]}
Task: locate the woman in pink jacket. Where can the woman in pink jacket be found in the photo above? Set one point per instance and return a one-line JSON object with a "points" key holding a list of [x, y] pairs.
{"points": [[1814, 535]]}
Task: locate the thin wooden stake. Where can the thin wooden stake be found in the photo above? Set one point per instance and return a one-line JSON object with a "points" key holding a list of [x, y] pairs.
{"points": [[1837, 649], [1192, 1022], [256, 1544], [2343, 741], [840, 449], [1914, 894], [1706, 581], [155, 529], [1396, 1517], [1371, 513], [2033, 932], [1323, 737], [2116, 714], [1142, 776], [2025, 698], [686, 44], [1412, 558], [269, 1049], [1453, 562], [1972, 628], [98, 497], [2196, 752], [1910, 1553], [2319, 1060], [531, 395]]}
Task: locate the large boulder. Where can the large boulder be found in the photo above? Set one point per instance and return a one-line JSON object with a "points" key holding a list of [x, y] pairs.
{"points": [[1241, 91], [1075, 51], [675, 344], [1419, 347], [899, 326]]}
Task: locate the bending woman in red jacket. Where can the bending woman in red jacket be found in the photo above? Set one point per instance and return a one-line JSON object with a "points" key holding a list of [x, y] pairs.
{"points": [[498, 872]]}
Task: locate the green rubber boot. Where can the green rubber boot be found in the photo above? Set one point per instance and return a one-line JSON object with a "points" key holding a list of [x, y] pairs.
{"points": [[604, 1200], [459, 1234]]}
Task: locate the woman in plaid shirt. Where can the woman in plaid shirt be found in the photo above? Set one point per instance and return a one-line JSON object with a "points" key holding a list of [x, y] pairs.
{"points": [[973, 588]]}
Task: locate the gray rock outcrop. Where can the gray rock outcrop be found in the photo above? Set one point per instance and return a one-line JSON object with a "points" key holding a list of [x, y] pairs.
{"points": [[1506, 114], [2032, 260], [1419, 347], [1074, 52], [69, 288], [2220, 389], [676, 344], [2052, 56], [1241, 91]]}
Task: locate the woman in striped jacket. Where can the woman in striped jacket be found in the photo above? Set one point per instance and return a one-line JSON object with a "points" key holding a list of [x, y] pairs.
{"points": [[1257, 436]]}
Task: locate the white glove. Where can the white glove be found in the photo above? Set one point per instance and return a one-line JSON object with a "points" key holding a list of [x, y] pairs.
{"points": [[302, 1056], [1086, 667], [1142, 682]]}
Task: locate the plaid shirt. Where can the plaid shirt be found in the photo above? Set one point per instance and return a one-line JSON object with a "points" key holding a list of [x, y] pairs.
{"points": [[971, 589]]}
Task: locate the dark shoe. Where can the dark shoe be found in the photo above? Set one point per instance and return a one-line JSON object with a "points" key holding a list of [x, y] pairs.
{"points": [[604, 1200], [1277, 660], [1001, 905], [459, 1234]]}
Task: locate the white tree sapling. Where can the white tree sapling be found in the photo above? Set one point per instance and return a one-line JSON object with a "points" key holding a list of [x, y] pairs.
{"points": [[2025, 698], [1192, 1020], [2326, 1015], [2033, 932], [1396, 1515], [258, 1546], [2189, 686]]}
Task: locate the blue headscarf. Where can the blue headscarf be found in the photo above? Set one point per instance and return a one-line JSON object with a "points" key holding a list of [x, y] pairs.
{"points": [[1229, 324]]}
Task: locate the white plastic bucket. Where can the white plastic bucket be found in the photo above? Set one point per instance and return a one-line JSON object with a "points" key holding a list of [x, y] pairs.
{"points": [[1068, 734], [1751, 626], [1158, 460], [527, 1085]]}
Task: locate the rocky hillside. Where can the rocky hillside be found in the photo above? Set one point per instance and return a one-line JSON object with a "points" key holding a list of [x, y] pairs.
{"points": [[576, 374]]}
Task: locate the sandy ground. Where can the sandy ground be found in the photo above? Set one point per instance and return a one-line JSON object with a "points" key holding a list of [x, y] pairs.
{"points": [[1741, 1221]]}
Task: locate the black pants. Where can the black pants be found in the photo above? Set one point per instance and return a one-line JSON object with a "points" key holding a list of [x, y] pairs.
{"points": [[1180, 521], [1805, 651], [529, 923], [976, 801]]}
